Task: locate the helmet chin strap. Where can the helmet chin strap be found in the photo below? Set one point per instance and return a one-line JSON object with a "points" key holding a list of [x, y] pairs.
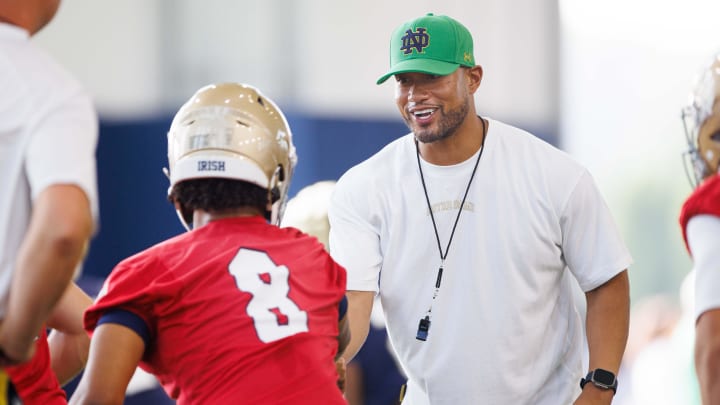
{"points": [[275, 204], [181, 217], [276, 199]]}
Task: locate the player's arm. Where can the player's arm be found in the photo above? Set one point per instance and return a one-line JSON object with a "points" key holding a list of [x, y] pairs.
{"points": [[59, 230], [115, 351], [608, 318], [707, 355], [69, 343], [360, 305]]}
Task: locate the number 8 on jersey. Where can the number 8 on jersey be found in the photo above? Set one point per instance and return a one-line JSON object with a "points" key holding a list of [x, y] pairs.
{"points": [[275, 315]]}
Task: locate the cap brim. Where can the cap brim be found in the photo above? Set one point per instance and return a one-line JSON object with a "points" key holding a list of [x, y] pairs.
{"points": [[428, 66]]}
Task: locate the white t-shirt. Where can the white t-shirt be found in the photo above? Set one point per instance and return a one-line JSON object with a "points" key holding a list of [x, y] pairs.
{"points": [[504, 327], [48, 135], [703, 238]]}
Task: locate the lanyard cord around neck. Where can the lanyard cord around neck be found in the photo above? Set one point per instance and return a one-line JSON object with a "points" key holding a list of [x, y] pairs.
{"points": [[425, 322]]}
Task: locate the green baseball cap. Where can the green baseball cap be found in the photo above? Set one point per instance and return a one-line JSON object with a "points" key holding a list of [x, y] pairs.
{"points": [[432, 44]]}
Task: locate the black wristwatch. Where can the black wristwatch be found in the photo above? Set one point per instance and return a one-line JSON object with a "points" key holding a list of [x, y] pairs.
{"points": [[602, 379]]}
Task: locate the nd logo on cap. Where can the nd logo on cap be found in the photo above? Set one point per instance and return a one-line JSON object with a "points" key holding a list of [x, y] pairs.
{"points": [[417, 41], [431, 44]]}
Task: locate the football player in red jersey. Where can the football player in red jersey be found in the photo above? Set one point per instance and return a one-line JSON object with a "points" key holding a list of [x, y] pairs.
{"points": [[700, 222], [237, 310]]}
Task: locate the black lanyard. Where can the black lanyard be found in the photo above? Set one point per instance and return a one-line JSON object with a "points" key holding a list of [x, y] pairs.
{"points": [[424, 325]]}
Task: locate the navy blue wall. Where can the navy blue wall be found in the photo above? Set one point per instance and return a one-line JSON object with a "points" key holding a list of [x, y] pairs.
{"points": [[134, 211]]}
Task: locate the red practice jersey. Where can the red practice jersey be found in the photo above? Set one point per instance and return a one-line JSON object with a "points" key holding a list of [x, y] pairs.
{"points": [[239, 312], [704, 200], [35, 381]]}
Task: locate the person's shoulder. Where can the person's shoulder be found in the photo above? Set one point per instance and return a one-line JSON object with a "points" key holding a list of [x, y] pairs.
{"points": [[711, 187], [143, 262], [296, 234], [152, 258], [504, 132], [300, 240], [707, 193], [293, 245], [703, 200], [520, 141], [40, 74]]}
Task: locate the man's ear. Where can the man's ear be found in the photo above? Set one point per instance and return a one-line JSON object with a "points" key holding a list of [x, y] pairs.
{"points": [[474, 76]]}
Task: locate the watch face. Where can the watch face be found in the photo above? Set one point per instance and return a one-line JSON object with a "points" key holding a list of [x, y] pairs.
{"points": [[604, 377]]}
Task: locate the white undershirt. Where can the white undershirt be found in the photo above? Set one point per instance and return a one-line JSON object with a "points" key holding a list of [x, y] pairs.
{"points": [[703, 235]]}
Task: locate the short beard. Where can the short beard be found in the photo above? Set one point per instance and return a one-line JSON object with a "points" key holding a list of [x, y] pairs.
{"points": [[448, 124]]}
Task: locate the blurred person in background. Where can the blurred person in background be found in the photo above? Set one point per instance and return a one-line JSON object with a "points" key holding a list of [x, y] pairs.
{"points": [[661, 349], [48, 196], [652, 318], [700, 224], [307, 211], [373, 376], [236, 310], [467, 228]]}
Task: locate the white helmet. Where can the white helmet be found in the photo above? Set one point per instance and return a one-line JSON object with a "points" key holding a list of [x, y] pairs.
{"points": [[232, 131], [308, 210], [701, 118]]}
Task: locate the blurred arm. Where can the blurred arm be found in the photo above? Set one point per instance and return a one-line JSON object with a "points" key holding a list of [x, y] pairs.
{"points": [[60, 227], [344, 331], [69, 343], [115, 352], [343, 340], [360, 305], [707, 355]]}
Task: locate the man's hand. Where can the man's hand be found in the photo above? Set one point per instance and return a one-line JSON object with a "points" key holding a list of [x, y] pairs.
{"points": [[342, 372]]}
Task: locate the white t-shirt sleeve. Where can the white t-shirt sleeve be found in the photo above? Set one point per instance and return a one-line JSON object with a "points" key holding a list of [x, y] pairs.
{"points": [[62, 148], [354, 241], [703, 235], [592, 245]]}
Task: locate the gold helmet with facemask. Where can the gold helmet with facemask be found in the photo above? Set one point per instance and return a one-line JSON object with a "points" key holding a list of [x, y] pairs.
{"points": [[701, 118], [232, 131]]}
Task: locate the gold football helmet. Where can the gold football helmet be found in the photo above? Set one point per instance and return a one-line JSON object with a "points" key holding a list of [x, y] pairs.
{"points": [[701, 118], [231, 130]]}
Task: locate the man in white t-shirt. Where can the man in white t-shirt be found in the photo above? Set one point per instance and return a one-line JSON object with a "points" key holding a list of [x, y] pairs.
{"points": [[48, 195], [476, 235], [700, 223]]}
